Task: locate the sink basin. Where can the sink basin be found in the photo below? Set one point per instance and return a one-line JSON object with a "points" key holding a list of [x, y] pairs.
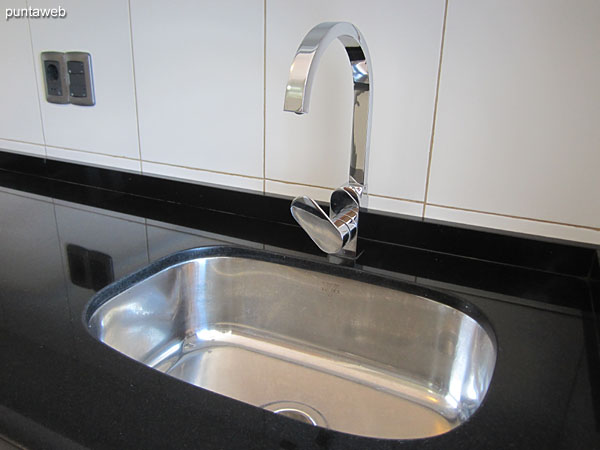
{"points": [[331, 346]]}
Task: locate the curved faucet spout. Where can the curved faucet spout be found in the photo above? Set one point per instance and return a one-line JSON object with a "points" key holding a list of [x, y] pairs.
{"points": [[302, 73], [336, 234]]}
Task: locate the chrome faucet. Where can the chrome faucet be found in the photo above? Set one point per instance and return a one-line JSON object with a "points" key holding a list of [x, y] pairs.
{"points": [[337, 233]]}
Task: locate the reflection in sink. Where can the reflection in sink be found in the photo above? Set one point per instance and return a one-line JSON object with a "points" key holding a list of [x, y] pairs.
{"points": [[336, 347]]}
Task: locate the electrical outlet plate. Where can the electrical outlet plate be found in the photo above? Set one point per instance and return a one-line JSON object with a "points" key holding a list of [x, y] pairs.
{"points": [[54, 69], [81, 84]]}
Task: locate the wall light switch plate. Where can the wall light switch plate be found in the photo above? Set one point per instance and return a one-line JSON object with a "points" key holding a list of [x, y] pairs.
{"points": [[81, 84], [54, 69]]}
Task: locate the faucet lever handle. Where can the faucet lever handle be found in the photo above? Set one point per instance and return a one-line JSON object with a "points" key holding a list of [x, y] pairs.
{"points": [[328, 236]]}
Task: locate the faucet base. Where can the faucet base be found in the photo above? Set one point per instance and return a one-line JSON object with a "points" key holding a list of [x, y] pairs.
{"points": [[336, 233], [346, 259]]}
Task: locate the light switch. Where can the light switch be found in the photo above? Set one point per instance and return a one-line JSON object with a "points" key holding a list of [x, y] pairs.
{"points": [[55, 77], [81, 85]]}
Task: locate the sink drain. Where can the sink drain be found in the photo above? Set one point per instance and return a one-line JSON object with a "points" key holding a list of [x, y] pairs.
{"points": [[297, 411]]}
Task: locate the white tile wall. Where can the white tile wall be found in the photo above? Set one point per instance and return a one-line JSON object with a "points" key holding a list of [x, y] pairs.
{"points": [[389, 204], [516, 143], [20, 123], [533, 227], [109, 128], [93, 159], [518, 116], [202, 176], [291, 189], [21, 146], [199, 74], [404, 40]]}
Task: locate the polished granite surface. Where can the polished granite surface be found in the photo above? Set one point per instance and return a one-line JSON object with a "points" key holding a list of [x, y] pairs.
{"points": [[66, 231]]}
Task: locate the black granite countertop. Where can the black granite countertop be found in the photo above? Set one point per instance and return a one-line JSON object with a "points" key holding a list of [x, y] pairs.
{"points": [[60, 388]]}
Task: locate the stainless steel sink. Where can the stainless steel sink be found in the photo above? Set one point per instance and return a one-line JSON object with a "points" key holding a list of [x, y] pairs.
{"points": [[331, 346]]}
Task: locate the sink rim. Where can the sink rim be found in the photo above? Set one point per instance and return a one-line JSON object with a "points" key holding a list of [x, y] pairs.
{"points": [[353, 273]]}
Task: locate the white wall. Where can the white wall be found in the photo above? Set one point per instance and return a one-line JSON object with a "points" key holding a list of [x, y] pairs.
{"points": [[107, 133], [20, 121], [504, 134]]}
